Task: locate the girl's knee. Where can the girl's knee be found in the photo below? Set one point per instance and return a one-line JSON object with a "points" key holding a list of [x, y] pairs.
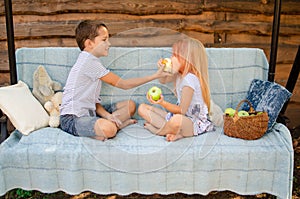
{"points": [[142, 109], [175, 121], [105, 128]]}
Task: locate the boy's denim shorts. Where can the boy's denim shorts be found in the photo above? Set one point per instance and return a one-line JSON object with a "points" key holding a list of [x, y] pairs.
{"points": [[78, 126], [82, 126]]}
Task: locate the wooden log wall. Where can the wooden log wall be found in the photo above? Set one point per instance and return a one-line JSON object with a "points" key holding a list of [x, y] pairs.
{"points": [[225, 23]]}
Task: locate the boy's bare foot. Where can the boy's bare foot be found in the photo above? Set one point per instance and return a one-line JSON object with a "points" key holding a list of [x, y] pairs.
{"points": [[134, 121], [128, 122], [172, 137]]}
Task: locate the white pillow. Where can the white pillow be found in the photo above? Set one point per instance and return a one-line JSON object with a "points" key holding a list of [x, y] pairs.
{"points": [[22, 108]]}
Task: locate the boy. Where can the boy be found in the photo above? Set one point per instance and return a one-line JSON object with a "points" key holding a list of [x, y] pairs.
{"points": [[81, 112]]}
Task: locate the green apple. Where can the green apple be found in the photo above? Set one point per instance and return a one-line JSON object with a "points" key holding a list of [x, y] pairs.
{"points": [[168, 65], [229, 111], [243, 113], [155, 93]]}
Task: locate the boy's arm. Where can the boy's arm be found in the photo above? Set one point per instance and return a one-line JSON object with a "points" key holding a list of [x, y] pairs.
{"points": [[101, 111], [113, 79], [167, 79]]}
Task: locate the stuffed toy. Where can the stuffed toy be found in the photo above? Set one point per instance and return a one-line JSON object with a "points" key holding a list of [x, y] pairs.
{"points": [[46, 91], [43, 86], [52, 107]]}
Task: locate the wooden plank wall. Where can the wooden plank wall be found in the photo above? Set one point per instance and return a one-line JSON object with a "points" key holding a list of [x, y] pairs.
{"points": [[225, 23]]}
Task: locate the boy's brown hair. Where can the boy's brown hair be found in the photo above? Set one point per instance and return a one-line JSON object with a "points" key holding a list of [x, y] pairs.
{"points": [[87, 29]]}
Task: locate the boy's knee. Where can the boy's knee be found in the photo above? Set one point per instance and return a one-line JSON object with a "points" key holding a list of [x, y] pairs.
{"points": [[132, 107], [105, 128]]}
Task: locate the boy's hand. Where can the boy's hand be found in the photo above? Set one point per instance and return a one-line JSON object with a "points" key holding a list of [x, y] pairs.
{"points": [[114, 119], [160, 72]]}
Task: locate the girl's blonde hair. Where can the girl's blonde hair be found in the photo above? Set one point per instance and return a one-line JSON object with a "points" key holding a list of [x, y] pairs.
{"points": [[192, 55]]}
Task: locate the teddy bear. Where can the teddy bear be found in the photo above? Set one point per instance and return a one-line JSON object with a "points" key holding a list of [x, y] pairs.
{"points": [[52, 107], [48, 93], [43, 86]]}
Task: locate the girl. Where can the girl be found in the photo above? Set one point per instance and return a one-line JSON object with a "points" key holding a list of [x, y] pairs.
{"points": [[189, 116]]}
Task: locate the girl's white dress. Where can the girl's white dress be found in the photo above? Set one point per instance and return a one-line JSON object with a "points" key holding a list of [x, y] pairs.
{"points": [[198, 110]]}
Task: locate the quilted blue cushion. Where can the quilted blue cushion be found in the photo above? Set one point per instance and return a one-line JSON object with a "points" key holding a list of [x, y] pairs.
{"points": [[267, 96]]}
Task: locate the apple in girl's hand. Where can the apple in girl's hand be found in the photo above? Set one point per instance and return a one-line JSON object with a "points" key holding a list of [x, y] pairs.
{"points": [[167, 64], [154, 93]]}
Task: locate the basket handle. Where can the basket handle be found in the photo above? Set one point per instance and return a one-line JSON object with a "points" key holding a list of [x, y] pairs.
{"points": [[251, 110]]}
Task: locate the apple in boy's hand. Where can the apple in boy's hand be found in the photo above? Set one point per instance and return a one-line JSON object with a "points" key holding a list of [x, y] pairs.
{"points": [[167, 64], [229, 111], [155, 93], [243, 113]]}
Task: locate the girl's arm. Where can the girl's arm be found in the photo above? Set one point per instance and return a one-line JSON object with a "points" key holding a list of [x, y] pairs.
{"points": [[185, 101], [114, 80]]}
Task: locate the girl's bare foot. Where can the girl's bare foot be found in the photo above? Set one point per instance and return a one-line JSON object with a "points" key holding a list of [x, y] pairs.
{"points": [[146, 125], [173, 137], [150, 127]]}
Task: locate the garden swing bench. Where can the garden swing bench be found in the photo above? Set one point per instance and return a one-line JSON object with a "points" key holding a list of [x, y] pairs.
{"points": [[51, 160]]}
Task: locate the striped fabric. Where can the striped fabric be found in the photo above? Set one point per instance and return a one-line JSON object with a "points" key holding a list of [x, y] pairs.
{"points": [[137, 161]]}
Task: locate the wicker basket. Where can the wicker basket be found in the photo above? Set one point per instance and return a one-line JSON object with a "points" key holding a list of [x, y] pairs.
{"points": [[249, 127]]}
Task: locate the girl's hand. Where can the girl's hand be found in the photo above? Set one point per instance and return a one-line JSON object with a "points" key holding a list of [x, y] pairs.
{"points": [[161, 99]]}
